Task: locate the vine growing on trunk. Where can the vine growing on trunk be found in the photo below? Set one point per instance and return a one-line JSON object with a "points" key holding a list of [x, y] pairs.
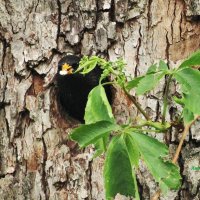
{"points": [[125, 144]]}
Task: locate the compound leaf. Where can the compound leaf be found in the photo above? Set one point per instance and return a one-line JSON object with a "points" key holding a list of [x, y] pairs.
{"points": [[162, 66], [87, 64], [152, 69], [90, 133], [98, 107], [133, 83], [133, 151], [158, 68], [191, 102], [190, 81], [193, 60], [153, 152], [118, 172], [149, 82], [91, 65], [101, 145], [188, 116]]}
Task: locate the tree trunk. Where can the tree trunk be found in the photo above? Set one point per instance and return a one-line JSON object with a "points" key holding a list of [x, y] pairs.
{"points": [[37, 161]]}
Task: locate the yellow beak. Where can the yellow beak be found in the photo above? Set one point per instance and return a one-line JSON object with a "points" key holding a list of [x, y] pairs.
{"points": [[66, 69]]}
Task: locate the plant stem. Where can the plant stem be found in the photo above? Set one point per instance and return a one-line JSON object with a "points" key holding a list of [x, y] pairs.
{"points": [[156, 195], [184, 134], [165, 101], [108, 83], [158, 126], [137, 196], [136, 104], [178, 150], [149, 130]]}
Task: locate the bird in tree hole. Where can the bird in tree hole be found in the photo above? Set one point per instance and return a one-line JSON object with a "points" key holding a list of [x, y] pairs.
{"points": [[73, 88]]}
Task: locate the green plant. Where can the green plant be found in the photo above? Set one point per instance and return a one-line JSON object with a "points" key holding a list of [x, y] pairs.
{"points": [[129, 142]]}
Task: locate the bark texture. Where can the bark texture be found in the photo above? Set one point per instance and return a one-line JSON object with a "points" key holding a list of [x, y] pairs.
{"points": [[37, 161]]}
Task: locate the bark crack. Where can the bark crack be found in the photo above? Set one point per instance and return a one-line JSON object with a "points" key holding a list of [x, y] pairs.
{"points": [[174, 16], [167, 48], [59, 20], [7, 127], [44, 178], [37, 3], [112, 11], [137, 53], [149, 13], [157, 110], [180, 28], [7, 2], [3, 103], [5, 45], [90, 179]]}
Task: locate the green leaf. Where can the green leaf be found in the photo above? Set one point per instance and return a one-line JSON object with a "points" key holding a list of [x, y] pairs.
{"points": [[98, 107], [193, 60], [82, 64], [89, 67], [191, 102], [133, 83], [188, 116], [153, 152], [158, 125], [118, 173], [89, 134], [149, 82], [87, 64], [146, 83], [152, 69], [190, 81], [100, 145], [179, 101], [162, 66], [133, 151]]}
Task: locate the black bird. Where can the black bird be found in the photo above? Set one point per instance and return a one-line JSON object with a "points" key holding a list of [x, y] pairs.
{"points": [[73, 89]]}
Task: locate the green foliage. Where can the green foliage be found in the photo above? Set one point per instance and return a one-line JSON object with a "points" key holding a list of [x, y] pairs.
{"points": [[87, 65], [189, 79], [98, 107], [190, 83], [188, 116], [148, 82], [133, 83], [133, 151], [89, 134], [193, 60], [118, 172], [153, 153], [115, 68], [124, 145]]}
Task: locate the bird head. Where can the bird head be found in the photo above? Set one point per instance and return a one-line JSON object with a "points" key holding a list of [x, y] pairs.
{"points": [[68, 64]]}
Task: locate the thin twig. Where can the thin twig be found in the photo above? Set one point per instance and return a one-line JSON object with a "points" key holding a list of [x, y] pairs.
{"points": [[137, 105], [178, 150], [156, 195], [165, 98], [148, 130], [184, 134], [137, 196]]}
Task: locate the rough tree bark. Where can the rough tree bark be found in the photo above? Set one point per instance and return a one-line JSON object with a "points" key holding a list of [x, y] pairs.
{"points": [[37, 161]]}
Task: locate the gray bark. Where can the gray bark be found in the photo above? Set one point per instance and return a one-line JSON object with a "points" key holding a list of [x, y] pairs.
{"points": [[37, 161]]}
